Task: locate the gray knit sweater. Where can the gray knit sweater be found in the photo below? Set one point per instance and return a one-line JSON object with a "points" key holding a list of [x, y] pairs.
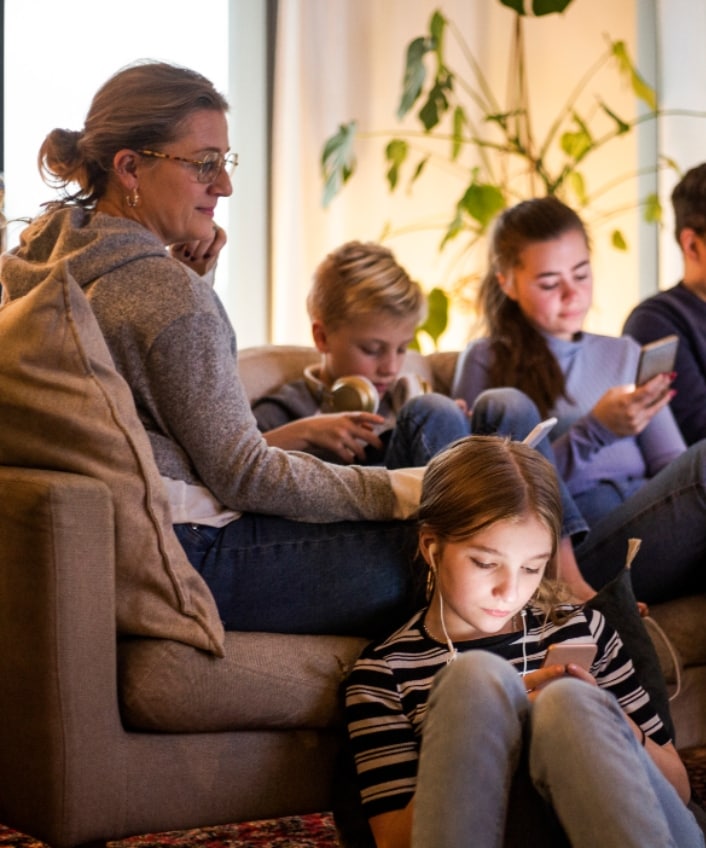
{"points": [[172, 341]]}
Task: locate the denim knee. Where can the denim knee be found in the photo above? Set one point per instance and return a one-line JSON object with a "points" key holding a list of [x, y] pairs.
{"points": [[479, 676], [566, 708], [505, 411], [431, 405], [426, 424]]}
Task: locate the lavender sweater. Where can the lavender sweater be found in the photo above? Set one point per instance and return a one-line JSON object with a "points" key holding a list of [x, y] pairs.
{"points": [[586, 451], [172, 341]]}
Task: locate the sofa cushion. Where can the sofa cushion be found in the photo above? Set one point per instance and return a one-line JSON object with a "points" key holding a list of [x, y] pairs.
{"points": [[63, 406], [616, 600], [684, 621], [265, 681]]}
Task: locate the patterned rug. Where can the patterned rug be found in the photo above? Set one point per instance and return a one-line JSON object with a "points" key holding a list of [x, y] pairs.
{"points": [[312, 831]]}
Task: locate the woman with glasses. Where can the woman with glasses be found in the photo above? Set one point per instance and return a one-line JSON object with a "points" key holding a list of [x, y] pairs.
{"points": [[285, 541]]}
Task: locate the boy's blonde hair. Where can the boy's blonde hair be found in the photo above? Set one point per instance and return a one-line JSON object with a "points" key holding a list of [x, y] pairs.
{"points": [[480, 480], [359, 280]]}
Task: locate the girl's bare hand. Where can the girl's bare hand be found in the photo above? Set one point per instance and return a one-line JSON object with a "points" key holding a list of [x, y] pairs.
{"points": [[626, 410], [200, 256], [535, 681]]}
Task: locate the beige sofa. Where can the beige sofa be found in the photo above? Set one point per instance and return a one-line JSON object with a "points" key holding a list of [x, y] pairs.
{"points": [[102, 738]]}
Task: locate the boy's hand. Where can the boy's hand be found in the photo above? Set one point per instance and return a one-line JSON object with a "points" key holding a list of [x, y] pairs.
{"points": [[344, 434]]}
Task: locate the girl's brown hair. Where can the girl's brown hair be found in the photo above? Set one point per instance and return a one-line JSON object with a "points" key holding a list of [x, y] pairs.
{"points": [[480, 480], [141, 106], [520, 356]]}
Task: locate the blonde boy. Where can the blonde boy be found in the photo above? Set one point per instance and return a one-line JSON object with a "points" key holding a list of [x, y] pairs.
{"points": [[353, 407]]}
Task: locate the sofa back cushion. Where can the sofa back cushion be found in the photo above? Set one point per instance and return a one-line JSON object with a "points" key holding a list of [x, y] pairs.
{"points": [[63, 406]]}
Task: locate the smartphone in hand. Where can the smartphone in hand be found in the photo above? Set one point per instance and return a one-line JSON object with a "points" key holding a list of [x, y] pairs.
{"points": [[578, 653], [656, 358]]}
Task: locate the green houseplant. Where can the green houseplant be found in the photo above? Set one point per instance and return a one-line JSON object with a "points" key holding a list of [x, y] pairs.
{"points": [[491, 143]]}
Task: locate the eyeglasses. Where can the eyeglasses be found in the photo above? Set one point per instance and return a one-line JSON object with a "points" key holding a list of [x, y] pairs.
{"points": [[207, 169]]}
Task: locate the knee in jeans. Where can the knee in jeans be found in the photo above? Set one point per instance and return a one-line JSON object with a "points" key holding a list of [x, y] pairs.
{"points": [[496, 403], [428, 405], [557, 709], [478, 672]]}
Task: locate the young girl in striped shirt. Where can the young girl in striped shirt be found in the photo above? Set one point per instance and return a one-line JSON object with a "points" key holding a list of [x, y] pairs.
{"points": [[460, 735]]}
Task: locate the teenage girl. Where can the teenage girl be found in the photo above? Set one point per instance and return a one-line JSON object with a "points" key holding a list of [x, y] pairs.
{"points": [[463, 682], [616, 447]]}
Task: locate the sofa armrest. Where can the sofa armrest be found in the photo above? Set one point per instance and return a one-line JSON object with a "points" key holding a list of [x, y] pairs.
{"points": [[58, 698]]}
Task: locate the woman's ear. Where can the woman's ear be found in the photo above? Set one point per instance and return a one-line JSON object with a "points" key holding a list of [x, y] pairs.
{"points": [[125, 167]]}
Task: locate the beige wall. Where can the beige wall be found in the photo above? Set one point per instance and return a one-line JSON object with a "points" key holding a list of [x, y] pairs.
{"points": [[361, 47]]}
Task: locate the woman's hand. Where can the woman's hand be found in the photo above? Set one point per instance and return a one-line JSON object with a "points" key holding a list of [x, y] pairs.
{"points": [[344, 434], [535, 681], [200, 256], [626, 410]]}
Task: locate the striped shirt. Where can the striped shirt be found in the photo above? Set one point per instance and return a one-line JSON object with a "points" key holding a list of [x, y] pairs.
{"points": [[388, 688]]}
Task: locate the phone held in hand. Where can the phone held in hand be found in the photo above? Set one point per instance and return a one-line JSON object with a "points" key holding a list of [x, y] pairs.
{"points": [[656, 358], [578, 653]]}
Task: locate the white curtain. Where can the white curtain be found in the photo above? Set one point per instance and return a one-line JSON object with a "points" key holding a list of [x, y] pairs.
{"points": [[337, 60]]}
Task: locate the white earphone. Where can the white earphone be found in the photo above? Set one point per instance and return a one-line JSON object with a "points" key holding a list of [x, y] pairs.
{"points": [[453, 652]]}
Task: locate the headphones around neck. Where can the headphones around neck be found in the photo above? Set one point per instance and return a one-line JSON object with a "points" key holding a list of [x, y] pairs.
{"points": [[347, 394], [357, 394]]}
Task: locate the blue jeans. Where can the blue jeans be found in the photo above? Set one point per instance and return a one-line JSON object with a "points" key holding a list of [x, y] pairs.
{"points": [[668, 513], [275, 575], [511, 413], [582, 758], [350, 578], [425, 425]]}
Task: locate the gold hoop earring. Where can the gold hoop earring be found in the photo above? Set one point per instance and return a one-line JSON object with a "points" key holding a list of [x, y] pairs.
{"points": [[133, 199]]}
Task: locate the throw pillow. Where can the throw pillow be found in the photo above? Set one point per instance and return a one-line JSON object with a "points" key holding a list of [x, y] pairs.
{"points": [[616, 600], [63, 406]]}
